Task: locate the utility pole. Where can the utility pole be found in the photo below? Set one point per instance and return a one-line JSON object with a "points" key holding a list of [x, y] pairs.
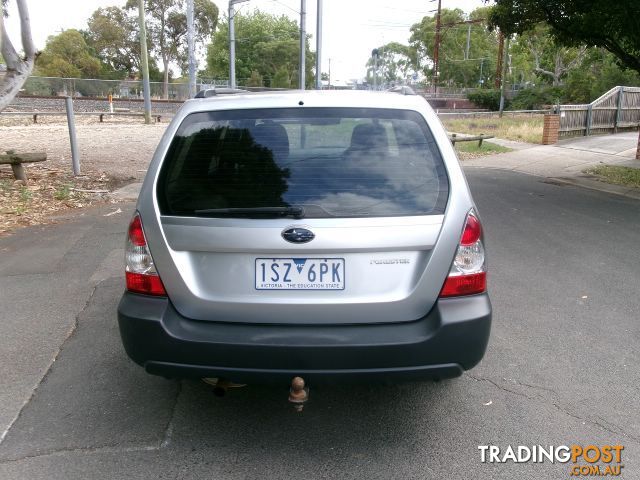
{"points": [[498, 80], [303, 44], [232, 43], [319, 45], [191, 48], [375, 54], [504, 74], [466, 52], [436, 50], [144, 60]]}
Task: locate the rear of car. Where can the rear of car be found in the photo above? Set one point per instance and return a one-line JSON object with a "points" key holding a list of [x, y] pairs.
{"points": [[329, 235]]}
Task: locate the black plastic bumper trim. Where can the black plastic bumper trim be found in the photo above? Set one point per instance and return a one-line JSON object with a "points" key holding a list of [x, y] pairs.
{"points": [[451, 338]]}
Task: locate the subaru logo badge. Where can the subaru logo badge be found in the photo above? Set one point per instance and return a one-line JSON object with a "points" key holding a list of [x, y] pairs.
{"points": [[298, 235]]}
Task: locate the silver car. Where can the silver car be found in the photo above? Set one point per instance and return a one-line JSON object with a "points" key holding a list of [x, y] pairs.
{"points": [[327, 235]]}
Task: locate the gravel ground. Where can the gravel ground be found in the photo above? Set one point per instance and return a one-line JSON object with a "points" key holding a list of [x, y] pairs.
{"points": [[123, 151]]}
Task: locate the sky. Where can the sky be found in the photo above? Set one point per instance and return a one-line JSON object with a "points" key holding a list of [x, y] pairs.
{"points": [[351, 28]]}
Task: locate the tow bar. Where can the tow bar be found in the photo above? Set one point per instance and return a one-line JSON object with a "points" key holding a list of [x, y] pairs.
{"points": [[298, 393]]}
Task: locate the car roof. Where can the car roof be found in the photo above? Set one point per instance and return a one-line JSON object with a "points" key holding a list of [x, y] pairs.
{"points": [[308, 98], [212, 92]]}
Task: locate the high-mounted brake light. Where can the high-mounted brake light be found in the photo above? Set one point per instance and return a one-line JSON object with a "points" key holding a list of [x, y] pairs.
{"points": [[468, 273], [140, 272]]}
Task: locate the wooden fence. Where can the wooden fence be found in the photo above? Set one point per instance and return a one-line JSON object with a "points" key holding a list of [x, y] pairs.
{"points": [[619, 108]]}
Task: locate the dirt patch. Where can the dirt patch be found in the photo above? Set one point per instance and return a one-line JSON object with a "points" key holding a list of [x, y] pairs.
{"points": [[111, 155], [120, 150], [49, 192]]}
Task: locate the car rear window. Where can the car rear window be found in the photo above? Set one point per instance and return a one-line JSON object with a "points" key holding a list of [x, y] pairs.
{"points": [[332, 162]]}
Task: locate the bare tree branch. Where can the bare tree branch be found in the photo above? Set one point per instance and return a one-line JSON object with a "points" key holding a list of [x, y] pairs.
{"points": [[18, 69], [25, 29], [542, 71], [6, 47]]}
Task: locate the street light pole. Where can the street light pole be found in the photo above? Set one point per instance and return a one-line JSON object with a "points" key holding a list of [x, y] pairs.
{"points": [[232, 43], [232, 48], [191, 49], [375, 53], [319, 45], [144, 61], [503, 81], [303, 44], [436, 50]]}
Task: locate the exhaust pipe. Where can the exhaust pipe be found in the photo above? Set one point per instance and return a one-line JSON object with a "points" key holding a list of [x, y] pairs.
{"points": [[221, 385]]}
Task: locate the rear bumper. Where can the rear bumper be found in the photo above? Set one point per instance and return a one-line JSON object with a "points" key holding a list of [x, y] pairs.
{"points": [[451, 338]]}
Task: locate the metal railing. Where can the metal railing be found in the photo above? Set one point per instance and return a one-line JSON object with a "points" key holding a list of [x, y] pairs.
{"points": [[100, 115], [618, 108], [91, 87]]}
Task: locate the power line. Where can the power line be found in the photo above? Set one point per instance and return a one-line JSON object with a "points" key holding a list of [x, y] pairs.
{"points": [[287, 6], [466, 59]]}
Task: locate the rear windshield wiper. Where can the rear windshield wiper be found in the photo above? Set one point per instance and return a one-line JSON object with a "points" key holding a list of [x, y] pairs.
{"points": [[295, 212]]}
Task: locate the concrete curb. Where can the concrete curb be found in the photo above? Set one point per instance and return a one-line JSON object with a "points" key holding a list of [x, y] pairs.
{"points": [[600, 186], [574, 181], [128, 193]]}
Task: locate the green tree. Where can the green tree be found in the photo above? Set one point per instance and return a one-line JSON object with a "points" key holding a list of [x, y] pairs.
{"points": [[255, 80], [547, 59], [281, 78], [264, 43], [610, 25], [457, 67], [395, 63], [113, 33], [598, 73], [68, 55], [167, 29]]}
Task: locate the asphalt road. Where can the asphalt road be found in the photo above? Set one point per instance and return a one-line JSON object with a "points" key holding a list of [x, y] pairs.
{"points": [[562, 366]]}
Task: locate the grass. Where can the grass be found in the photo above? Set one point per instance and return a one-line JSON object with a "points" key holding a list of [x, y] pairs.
{"points": [[25, 194], [520, 129], [627, 176], [63, 192], [487, 148]]}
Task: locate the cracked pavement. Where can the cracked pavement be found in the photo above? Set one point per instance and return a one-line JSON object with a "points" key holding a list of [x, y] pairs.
{"points": [[561, 368]]}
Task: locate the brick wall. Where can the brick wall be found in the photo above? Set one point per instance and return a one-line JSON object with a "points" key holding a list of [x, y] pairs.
{"points": [[551, 129]]}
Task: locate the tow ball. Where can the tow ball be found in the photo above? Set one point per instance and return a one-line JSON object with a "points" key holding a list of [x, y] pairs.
{"points": [[298, 393]]}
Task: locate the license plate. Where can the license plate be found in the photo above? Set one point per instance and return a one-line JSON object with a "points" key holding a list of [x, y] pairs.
{"points": [[299, 274]]}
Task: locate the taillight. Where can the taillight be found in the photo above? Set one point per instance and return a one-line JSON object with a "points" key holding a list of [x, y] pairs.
{"points": [[140, 271], [468, 273]]}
